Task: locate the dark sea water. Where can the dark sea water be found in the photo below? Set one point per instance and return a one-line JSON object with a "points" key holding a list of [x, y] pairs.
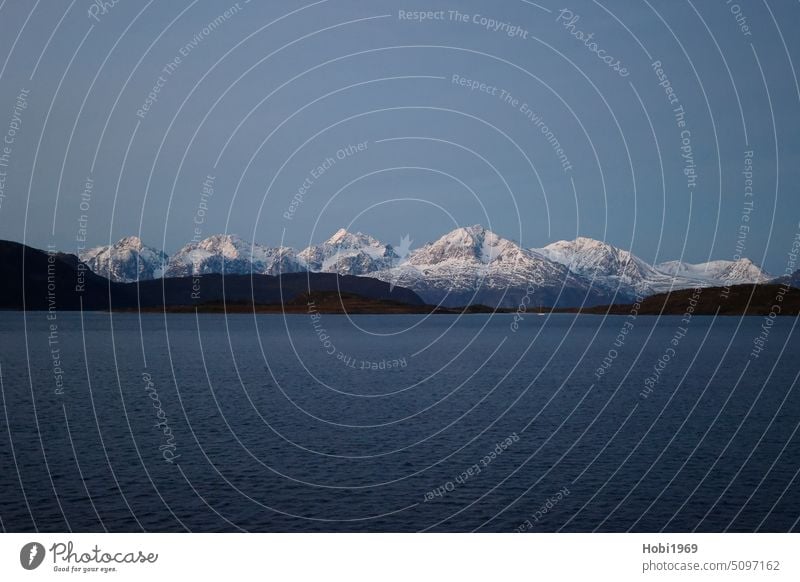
{"points": [[440, 423]]}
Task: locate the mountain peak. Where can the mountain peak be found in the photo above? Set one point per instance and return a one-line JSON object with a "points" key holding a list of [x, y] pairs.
{"points": [[126, 260], [583, 243], [476, 229], [587, 241], [605, 264], [474, 244], [347, 253], [722, 272], [216, 239], [345, 238], [129, 242], [227, 244], [339, 236], [475, 232]]}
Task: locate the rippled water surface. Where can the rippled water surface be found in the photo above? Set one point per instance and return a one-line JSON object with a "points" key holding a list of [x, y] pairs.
{"points": [[397, 423]]}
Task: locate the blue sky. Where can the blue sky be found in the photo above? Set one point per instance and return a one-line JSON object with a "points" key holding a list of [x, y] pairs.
{"points": [[270, 92]]}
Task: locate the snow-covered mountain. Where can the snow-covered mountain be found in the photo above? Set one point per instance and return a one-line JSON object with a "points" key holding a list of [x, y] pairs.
{"points": [[474, 265], [349, 254], [466, 266], [230, 254], [616, 270], [717, 272], [125, 261]]}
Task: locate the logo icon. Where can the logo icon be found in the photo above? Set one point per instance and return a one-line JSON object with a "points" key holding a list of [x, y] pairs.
{"points": [[401, 251], [31, 555]]}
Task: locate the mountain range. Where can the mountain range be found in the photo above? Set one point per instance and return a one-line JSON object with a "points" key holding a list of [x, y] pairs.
{"points": [[469, 265], [38, 280]]}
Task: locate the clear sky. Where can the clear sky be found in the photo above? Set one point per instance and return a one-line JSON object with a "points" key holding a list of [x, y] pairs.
{"points": [[542, 121]]}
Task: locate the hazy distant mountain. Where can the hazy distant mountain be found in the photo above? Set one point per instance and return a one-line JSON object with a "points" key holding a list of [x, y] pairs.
{"points": [[717, 272], [126, 260], [793, 279], [230, 254], [614, 269]]}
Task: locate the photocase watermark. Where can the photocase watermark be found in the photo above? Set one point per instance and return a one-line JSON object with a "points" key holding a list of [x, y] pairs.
{"points": [[200, 213], [199, 219], [321, 332], [490, 24], [53, 342], [400, 253], [748, 206], [671, 351], [741, 19], [172, 66], [358, 364], [679, 114], [548, 134], [472, 471], [568, 19], [545, 508], [9, 139], [344, 358], [761, 339], [620, 339], [66, 559], [99, 8], [31, 555], [320, 170], [420, 15], [168, 446], [509, 29], [522, 308], [523, 107], [82, 233], [687, 152]]}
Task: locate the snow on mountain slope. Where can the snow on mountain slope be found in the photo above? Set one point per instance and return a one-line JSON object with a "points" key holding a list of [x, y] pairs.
{"points": [[610, 267], [125, 261], [232, 255], [348, 254], [467, 265], [717, 272], [614, 268], [474, 265]]}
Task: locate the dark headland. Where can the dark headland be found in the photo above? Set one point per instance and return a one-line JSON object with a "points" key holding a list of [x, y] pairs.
{"points": [[780, 299]]}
